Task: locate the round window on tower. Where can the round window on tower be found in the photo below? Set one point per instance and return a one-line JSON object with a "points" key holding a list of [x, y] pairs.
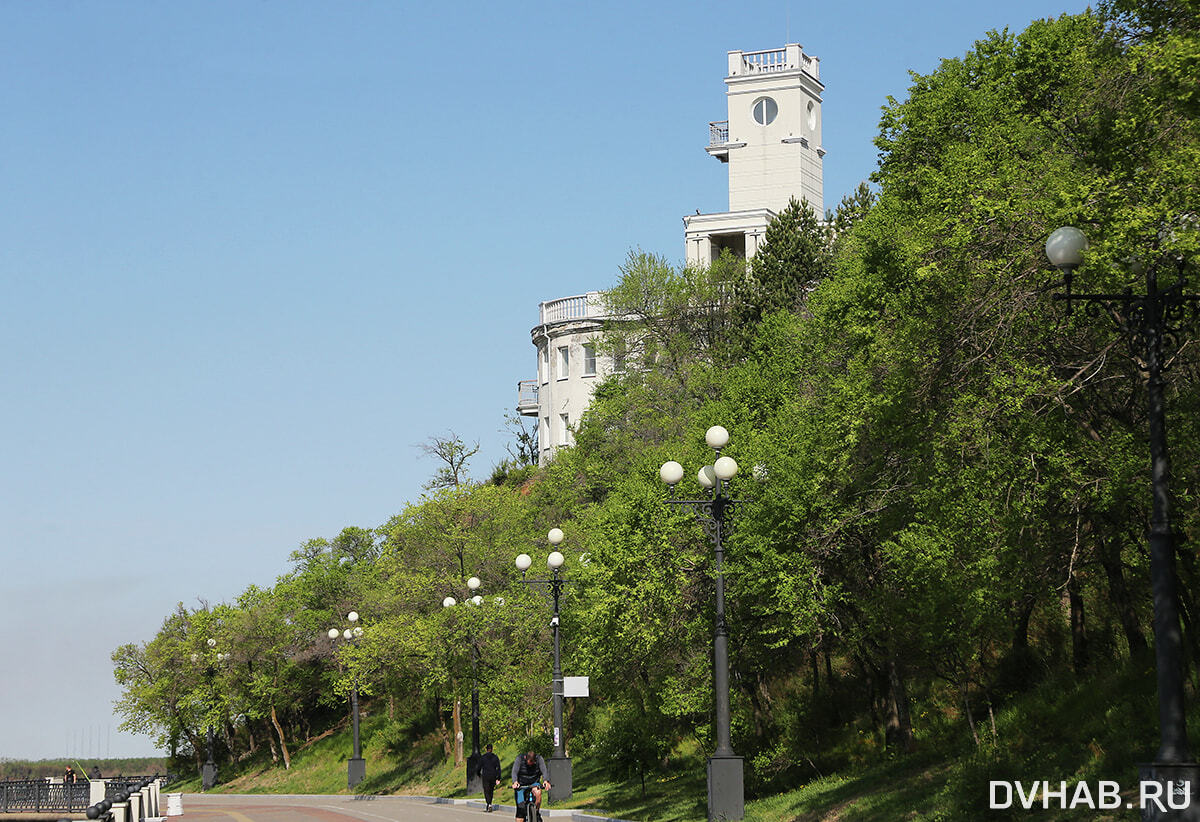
{"points": [[765, 109]]}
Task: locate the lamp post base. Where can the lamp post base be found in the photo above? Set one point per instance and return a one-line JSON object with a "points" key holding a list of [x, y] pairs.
{"points": [[356, 771], [560, 778], [726, 799], [1175, 785], [208, 776]]}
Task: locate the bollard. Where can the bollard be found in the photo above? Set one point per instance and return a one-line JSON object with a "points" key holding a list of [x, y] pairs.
{"points": [[174, 804]]}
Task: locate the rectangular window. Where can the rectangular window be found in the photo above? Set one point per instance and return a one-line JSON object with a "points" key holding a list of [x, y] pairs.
{"points": [[544, 437], [589, 359], [544, 365], [565, 433], [564, 362]]}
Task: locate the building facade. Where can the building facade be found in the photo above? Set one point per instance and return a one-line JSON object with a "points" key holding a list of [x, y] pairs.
{"points": [[771, 145]]}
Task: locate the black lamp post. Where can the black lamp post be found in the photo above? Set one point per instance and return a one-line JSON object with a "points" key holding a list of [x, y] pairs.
{"points": [[1150, 322], [560, 763], [208, 774], [726, 794], [474, 781], [356, 768]]}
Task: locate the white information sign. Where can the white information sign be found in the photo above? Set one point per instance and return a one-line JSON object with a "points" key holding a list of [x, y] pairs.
{"points": [[575, 686]]}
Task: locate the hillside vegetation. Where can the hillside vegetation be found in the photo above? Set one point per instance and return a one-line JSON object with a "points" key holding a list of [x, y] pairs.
{"points": [[937, 574]]}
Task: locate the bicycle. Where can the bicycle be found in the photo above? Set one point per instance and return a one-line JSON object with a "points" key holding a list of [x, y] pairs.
{"points": [[530, 803]]}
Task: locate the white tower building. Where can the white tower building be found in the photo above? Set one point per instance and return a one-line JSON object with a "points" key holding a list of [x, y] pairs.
{"points": [[568, 368], [771, 143]]}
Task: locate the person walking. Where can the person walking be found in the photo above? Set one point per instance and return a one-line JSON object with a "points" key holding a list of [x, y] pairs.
{"points": [[489, 772]]}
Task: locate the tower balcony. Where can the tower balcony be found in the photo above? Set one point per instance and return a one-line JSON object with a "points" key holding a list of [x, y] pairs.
{"points": [[718, 140], [527, 398]]}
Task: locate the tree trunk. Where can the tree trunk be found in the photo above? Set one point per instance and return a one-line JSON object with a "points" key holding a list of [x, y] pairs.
{"points": [[899, 720], [437, 706], [1110, 558], [833, 694], [458, 732], [816, 674], [1079, 644], [966, 698], [287, 757]]}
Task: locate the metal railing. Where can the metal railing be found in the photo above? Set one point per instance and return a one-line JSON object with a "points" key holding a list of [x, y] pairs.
{"points": [[41, 795], [527, 395], [718, 133]]}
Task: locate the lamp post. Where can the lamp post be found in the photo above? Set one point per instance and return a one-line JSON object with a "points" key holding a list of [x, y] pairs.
{"points": [[1150, 322], [726, 795], [560, 763], [356, 768], [474, 781], [208, 774]]}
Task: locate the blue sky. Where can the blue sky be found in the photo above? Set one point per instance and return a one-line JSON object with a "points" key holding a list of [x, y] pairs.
{"points": [[252, 253]]}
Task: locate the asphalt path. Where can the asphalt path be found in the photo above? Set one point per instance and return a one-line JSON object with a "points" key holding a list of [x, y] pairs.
{"points": [[272, 808]]}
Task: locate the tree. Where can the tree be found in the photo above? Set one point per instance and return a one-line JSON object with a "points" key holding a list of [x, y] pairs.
{"points": [[454, 454]]}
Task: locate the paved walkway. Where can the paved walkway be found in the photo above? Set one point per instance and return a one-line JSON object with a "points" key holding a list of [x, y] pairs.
{"points": [[331, 808]]}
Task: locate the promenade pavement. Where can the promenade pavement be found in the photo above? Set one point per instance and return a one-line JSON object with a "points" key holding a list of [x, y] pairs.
{"points": [[335, 808]]}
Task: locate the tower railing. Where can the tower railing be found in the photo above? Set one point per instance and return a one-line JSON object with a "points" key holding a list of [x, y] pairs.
{"points": [[718, 133], [761, 62]]}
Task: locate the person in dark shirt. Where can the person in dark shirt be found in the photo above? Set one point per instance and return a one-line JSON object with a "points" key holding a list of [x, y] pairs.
{"points": [[530, 769], [489, 771], [69, 776]]}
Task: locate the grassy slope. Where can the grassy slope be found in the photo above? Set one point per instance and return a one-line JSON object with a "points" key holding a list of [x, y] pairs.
{"points": [[1096, 730]]}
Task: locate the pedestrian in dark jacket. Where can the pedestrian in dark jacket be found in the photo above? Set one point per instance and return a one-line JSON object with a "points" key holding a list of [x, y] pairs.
{"points": [[489, 772]]}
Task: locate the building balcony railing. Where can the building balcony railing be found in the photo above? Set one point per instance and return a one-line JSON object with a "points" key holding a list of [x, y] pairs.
{"points": [[589, 306], [527, 398], [718, 133]]}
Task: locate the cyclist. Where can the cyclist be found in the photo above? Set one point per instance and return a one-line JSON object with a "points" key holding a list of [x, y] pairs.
{"points": [[530, 769]]}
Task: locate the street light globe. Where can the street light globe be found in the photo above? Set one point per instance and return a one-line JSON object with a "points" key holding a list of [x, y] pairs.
{"points": [[725, 468], [706, 476], [347, 633], [477, 600], [333, 633], [1065, 247], [474, 582], [555, 536], [449, 602], [523, 562], [352, 616], [212, 643], [358, 632], [671, 472], [716, 437], [555, 560]]}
